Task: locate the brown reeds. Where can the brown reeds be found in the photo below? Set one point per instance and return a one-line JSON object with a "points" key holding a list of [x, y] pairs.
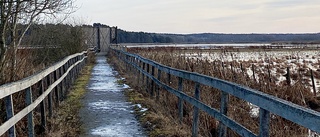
{"points": [[239, 110]]}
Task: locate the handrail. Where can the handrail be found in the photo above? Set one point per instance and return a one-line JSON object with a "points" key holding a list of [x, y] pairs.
{"points": [[74, 63], [267, 103], [13, 87]]}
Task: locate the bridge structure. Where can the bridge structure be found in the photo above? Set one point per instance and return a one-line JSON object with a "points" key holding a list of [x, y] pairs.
{"points": [[52, 84], [49, 87], [151, 74], [100, 37], [43, 90]]}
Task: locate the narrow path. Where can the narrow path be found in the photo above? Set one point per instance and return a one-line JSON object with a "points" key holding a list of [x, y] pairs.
{"points": [[105, 112]]}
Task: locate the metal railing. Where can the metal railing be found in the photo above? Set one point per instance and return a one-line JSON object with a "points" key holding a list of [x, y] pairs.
{"points": [[54, 80], [267, 104]]}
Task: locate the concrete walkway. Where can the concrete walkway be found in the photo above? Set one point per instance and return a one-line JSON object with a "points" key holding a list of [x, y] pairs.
{"points": [[105, 112]]}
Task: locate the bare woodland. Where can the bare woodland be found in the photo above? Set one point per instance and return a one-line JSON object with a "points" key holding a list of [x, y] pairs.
{"points": [[17, 16]]}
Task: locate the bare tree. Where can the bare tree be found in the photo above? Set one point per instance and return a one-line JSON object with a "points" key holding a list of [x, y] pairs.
{"points": [[25, 12]]}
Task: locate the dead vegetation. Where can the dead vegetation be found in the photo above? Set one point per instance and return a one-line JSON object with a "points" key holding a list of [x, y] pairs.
{"points": [[239, 110], [67, 114], [158, 120], [61, 117], [66, 121]]}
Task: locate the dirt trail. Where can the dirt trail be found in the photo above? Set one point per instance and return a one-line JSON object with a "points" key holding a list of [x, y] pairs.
{"points": [[106, 112]]}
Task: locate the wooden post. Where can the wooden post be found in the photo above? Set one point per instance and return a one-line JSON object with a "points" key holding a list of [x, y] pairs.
{"points": [[42, 106], [241, 67], [169, 83], [223, 110], [253, 73], [180, 103], [169, 79], [214, 66], [288, 76], [269, 73], [62, 85], [126, 61], [69, 76], [49, 81], [147, 79], [131, 63], [313, 84], [143, 68], [233, 72], [158, 87], [264, 122], [231, 66], [222, 64], [195, 122], [152, 83], [139, 73], [72, 73], [10, 114], [30, 115], [56, 89]]}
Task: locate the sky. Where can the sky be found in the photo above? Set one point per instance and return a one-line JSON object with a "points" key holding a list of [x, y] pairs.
{"points": [[203, 16]]}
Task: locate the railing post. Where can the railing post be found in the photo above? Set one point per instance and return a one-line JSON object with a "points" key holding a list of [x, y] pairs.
{"points": [[69, 75], [143, 68], [130, 63], [42, 106], [62, 84], [56, 89], [10, 114], [30, 115], [313, 84], [269, 74], [139, 73], [253, 73], [223, 110], [147, 79], [223, 70], [152, 82], [264, 123], [65, 87], [127, 62], [288, 76], [49, 82], [71, 72], [158, 87], [67, 78], [168, 80], [241, 67], [180, 103], [195, 122]]}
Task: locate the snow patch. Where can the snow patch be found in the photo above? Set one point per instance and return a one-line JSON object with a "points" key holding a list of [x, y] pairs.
{"points": [[142, 109]]}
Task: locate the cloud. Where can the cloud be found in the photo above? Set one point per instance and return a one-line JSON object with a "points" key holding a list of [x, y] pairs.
{"points": [[183, 16]]}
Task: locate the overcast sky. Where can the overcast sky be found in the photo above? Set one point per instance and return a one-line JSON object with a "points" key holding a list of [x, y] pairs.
{"points": [[198, 16]]}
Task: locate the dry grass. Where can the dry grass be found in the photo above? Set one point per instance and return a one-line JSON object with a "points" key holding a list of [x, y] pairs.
{"points": [[238, 109], [66, 121], [58, 119], [157, 121]]}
